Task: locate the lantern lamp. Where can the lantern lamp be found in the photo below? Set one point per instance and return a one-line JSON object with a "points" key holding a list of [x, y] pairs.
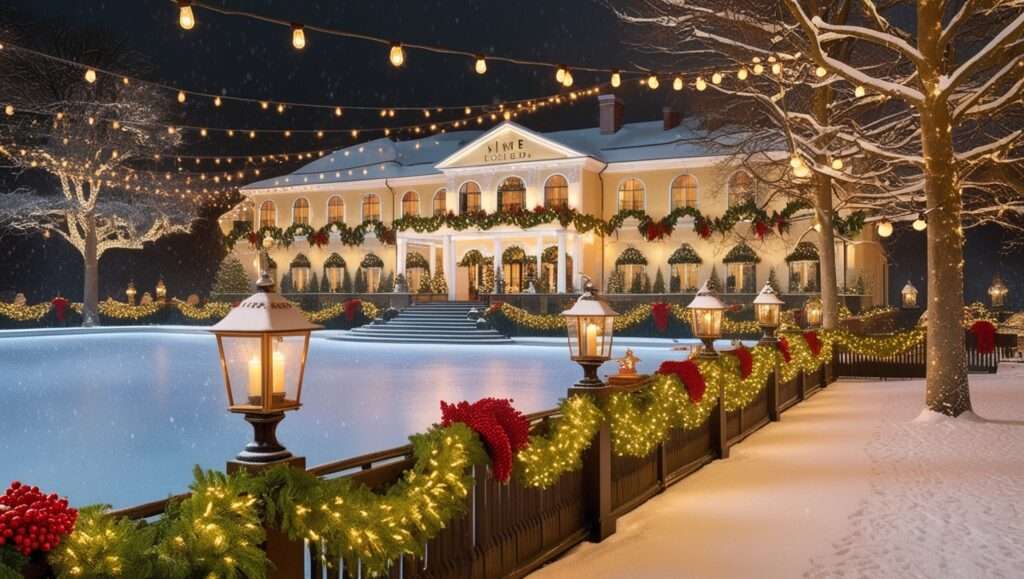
{"points": [[884, 228], [768, 312], [263, 343], [706, 311], [909, 296], [186, 19], [997, 292], [161, 290], [920, 224], [130, 292], [590, 323], [814, 311]]}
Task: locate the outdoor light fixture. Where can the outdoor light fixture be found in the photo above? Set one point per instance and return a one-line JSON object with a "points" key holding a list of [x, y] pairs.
{"points": [[263, 343], [616, 79], [90, 76], [590, 323], [813, 311], [130, 292], [707, 311], [920, 224], [652, 82], [909, 295], [997, 292], [481, 64], [397, 55], [884, 228], [161, 290], [768, 312], [186, 19], [298, 37]]}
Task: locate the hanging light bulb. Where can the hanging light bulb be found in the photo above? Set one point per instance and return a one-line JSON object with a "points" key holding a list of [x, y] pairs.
{"points": [[182, 96], [264, 105], [652, 82], [616, 79], [560, 74], [884, 228], [252, 134], [859, 91], [115, 125], [742, 73], [837, 164], [217, 102], [202, 132], [777, 68], [337, 111], [820, 72], [186, 19], [758, 69], [701, 83], [90, 76], [567, 78], [280, 108], [468, 111], [677, 83], [298, 36], [9, 110], [481, 64], [920, 224], [795, 161], [397, 55]]}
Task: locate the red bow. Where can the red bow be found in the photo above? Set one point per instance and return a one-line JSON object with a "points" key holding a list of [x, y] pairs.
{"points": [[689, 373], [783, 345], [746, 361], [984, 336], [660, 314], [351, 307], [813, 342], [504, 430]]}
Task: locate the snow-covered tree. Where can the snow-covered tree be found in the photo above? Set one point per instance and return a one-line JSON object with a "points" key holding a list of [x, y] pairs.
{"points": [[920, 115]]}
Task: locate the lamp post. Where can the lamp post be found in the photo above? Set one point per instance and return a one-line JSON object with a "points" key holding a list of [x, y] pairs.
{"points": [[813, 311], [909, 296], [130, 292], [706, 311], [161, 290], [997, 292], [768, 312], [590, 324]]}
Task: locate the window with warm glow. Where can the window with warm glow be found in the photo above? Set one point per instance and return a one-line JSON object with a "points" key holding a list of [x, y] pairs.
{"points": [[469, 197], [511, 194], [741, 188], [410, 204], [689, 279], [631, 195], [371, 208], [556, 192], [335, 209], [440, 204], [300, 212], [740, 278], [268, 214], [803, 276], [684, 191]]}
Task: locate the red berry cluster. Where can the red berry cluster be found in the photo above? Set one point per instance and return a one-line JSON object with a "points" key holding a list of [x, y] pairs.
{"points": [[504, 430], [31, 521]]}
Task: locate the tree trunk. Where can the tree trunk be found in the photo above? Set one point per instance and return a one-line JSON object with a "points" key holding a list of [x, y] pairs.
{"points": [[946, 384], [90, 290], [827, 236]]}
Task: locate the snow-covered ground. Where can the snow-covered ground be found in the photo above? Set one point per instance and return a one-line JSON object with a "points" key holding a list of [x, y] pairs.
{"points": [[847, 485]]}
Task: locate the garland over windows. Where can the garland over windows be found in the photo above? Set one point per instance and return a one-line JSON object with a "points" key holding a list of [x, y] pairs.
{"points": [[514, 254], [631, 256], [335, 260], [472, 258], [371, 260], [685, 254], [416, 260], [742, 253], [300, 261], [804, 251]]}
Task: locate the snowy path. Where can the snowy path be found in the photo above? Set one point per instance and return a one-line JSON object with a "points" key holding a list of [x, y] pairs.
{"points": [[847, 485]]}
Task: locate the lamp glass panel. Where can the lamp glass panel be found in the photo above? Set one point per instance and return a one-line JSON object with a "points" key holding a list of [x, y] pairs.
{"points": [[334, 275], [767, 314], [572, 326], [252, 387], [707, 323]]}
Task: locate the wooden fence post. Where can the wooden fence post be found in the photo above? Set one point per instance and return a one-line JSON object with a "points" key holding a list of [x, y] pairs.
{"points": [[597, 471], [773, 396], [719, 437]]}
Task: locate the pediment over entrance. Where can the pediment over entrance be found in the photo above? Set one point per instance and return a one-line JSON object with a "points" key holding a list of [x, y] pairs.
{"points": [[508, 143]]}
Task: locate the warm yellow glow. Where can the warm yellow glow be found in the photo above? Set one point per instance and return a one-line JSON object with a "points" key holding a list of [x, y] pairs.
{"points": [[337, 111], [298, 37], [820, 72], [255, 379], [9, 110], [217, 102], [677, 84], [716, 78], [397, 55], [920, 224], [567, 79], [859, 91], [777, 68], [616, 79], [182, 97], [837, 164], [560, 75], [742, 74], [277, 366], [652, 82], [481, 65], [701, 83], [758, 69], [186, 19], [90, 76], [884, 228]]}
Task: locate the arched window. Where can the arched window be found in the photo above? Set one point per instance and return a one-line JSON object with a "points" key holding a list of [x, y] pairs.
{"points": [[684, 191], [371, 208], [469, 197], [410, 204], [631, 195], [300, 212], [741, 188], [511, 194], [556, 192], [268, 214], [440, 204], [335, 209], [741, 270]]}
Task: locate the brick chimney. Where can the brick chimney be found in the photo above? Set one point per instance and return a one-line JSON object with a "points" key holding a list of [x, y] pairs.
{"points": [[612, 111], [670, 118]]}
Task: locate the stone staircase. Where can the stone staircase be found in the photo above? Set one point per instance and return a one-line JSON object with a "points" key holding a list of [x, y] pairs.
{"points": [[428, 323]]}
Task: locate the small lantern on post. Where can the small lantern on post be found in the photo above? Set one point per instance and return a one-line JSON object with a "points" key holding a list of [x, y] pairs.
{"points": [[161, 290], [590, 323], [706, 311], [814, 311], [997, 292], [130, 292], [909, 296], [768, 312]]}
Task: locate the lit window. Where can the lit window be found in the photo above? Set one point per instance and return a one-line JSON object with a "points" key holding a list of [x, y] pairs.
{"points": [[300, 212], [371, 208], [469, 197], [440, 205], [556, 192], [684, 191], [511, 194], [741, 188], [268, 214], [335, 209], [631, 195], [410, 204]]}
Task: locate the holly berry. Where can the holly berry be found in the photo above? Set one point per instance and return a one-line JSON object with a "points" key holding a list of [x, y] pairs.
{"points": [[32, 520]]}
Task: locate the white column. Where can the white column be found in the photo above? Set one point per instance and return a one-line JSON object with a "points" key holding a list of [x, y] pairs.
{"points": [[561, 262], [577, 261], [403, 248], [433, 259], [449, 265], [497, 263], [540, 250]]}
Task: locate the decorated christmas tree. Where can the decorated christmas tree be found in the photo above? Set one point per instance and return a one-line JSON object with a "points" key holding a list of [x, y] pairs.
{"points": [[714, 283], [439, 285], [636, 285], [774, 282], [401, 286], [387, 284], [659, 283], [487, 279], [674, 283], [230, 279], [360, 286], [647, 283], [425, 283], [616, 282], [346, 282]]}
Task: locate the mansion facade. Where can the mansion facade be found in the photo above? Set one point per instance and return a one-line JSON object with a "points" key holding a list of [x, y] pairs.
{"points": [[653, 167]]}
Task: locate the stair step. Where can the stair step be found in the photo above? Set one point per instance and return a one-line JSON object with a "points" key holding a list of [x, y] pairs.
{"points": [[428, 323]]}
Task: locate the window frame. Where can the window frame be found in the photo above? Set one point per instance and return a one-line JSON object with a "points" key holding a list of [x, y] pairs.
{"points": [[443, 194], [729, 187], [464, 207], [296, 207], [416, 200], [362, 206], [672, 187], [565, 180], [273, 210], [342, 200], [522, 192], [643, 191]]}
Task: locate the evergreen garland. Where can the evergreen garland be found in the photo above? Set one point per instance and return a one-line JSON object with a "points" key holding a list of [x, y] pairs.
{"points": [[631, 256], [685, 254]]}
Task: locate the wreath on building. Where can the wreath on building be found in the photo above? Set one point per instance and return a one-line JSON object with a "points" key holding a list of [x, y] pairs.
{"points": [[514, 254], [335, 260]]}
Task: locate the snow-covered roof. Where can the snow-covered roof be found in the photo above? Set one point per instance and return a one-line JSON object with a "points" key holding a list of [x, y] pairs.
{"points": [[386, 159]]}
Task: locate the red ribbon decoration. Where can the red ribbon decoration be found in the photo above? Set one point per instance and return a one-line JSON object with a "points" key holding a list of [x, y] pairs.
{"points": [[746, 361], [60, 306], [660, 314], [984, 336], [761, 229], [689, 373], [351, 307], [504, 430], [812, 342], [783, 345]]}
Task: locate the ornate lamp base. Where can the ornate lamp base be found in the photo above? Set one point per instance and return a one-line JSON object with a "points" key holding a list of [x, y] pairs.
{"points": [[590, 379], [709, 348], [264, 446], [768, 335]]}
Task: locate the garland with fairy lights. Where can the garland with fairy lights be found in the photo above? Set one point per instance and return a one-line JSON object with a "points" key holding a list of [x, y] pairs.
{"points": [[208, 311], [547, 457], [24, 312], [635, 316]]}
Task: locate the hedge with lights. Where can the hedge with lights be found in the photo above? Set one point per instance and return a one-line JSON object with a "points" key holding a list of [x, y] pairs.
{"points": [[208, 311]]}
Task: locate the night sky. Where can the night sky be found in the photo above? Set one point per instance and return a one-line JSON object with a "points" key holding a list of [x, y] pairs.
{"points": [[247, 58]]}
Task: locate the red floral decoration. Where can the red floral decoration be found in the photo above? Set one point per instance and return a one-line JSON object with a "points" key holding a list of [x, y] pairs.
{"points": [[387, 236], [761, 229], [253, 238], [703, 228], [746, 361], [660, 314], [319, 239], [31, 521], [813, 342], [783, 345], [504, 430], [539, 210], [351, 308], [689, 373], [984, 336]]}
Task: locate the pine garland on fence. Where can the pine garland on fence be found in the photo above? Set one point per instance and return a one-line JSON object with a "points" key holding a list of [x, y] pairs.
{"points": [[547, 457]]}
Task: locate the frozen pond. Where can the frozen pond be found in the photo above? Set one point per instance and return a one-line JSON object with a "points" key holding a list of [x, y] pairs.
{"points": [[122, 418]]}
